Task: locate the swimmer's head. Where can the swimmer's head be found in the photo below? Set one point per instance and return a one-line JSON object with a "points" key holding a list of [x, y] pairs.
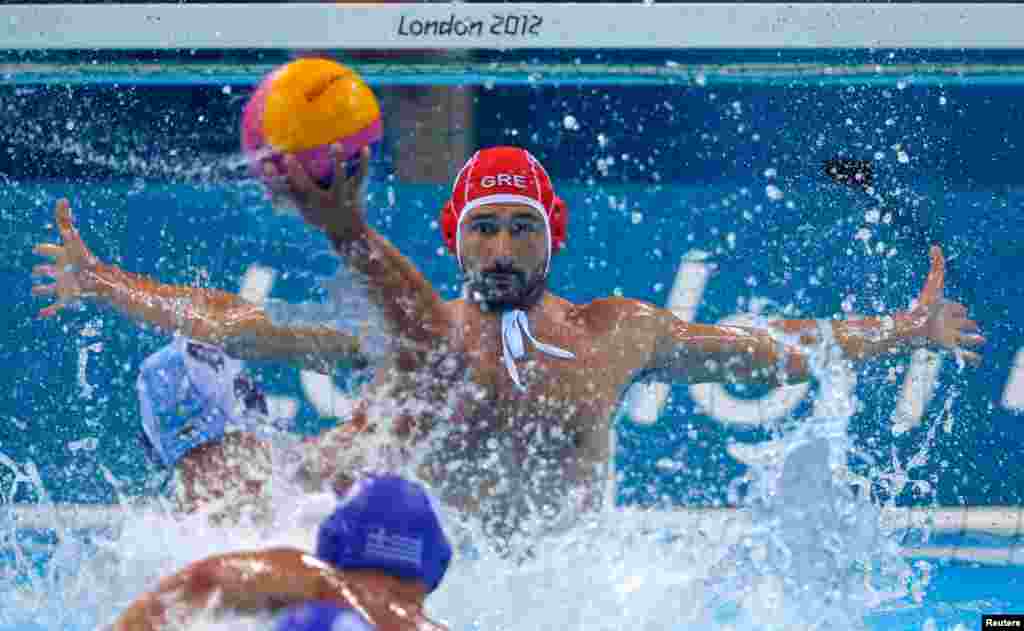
{"points": [[503, 222], [390, 524], [321, 616]]}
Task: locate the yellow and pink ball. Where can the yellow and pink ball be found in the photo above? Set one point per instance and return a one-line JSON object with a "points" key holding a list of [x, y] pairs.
{"points": [[304, 107]]}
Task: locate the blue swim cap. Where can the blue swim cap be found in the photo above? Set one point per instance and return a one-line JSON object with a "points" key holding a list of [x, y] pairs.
{"points": [[321, 616], [190, 394], [386, 523]]}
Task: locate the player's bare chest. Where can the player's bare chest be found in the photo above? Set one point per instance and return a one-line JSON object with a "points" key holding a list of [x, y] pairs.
{"points": [[543, 387], [552, 359]]}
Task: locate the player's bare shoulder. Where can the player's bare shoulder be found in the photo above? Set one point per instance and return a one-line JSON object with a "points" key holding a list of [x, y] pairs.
{"points": [[616, 314]]}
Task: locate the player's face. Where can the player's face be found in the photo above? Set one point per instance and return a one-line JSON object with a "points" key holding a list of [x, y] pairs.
{"points": [[504, 252]]}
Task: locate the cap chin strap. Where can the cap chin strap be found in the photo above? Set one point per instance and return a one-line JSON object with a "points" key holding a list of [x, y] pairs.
{"points": [[514, 324]]}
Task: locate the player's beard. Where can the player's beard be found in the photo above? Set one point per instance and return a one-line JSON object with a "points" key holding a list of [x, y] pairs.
{"points": [[501, 288]]}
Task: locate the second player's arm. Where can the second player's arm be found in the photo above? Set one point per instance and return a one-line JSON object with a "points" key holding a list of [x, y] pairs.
{"points": [[73, 274], [220, 318], [238, 581]]}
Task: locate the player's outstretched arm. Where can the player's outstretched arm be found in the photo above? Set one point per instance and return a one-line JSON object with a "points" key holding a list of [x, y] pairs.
{"points": [[208, 315], [697, 353]]}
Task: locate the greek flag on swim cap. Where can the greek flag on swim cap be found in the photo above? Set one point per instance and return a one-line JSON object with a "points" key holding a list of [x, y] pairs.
{"points": [[387, 523], [321, 616]]}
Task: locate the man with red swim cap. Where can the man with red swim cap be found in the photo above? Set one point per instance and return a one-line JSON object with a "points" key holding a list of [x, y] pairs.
{"points": [[509, 178], [511, 387], [523, 384]]}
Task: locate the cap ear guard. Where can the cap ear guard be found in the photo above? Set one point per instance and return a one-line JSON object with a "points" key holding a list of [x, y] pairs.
{"points": [[559, 223], [449, 225]]}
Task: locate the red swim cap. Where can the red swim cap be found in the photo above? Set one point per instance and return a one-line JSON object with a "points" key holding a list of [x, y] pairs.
{"points": [[504, 175]]}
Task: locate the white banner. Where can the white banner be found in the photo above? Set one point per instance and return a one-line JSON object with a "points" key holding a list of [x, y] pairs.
{"points": [[511, 26]]}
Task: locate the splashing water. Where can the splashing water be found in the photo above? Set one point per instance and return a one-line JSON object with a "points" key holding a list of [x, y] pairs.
{"points": [[82, 574], [807, 552], [817, 555]]}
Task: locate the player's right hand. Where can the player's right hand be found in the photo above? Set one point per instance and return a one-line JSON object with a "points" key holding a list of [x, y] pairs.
{"points": [[339, 209], [69, 268]]}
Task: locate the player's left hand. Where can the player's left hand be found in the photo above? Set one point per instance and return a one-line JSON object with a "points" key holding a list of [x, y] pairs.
{"points": [[944, 323]]}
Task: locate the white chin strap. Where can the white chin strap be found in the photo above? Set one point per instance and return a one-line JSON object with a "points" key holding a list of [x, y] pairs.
{"points": [[514, 324]]}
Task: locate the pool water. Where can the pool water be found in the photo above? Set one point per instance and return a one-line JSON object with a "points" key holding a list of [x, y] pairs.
{"points": [[663, 165]]}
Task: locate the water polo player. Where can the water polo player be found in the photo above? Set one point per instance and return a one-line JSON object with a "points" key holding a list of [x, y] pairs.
{"points": [[206, 421], [381, 552], [190, 401], [528, 382]]}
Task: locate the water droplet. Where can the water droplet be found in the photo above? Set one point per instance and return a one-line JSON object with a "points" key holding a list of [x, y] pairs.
{"points": [[86, 444], [667, 464]]}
